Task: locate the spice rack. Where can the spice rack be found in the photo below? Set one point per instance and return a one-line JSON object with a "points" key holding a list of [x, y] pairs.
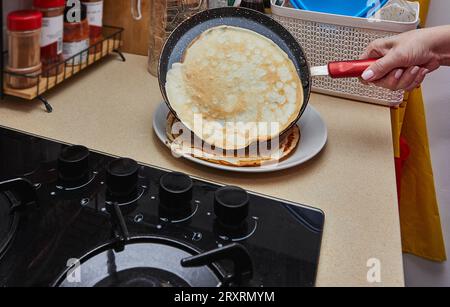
{"points": [[110, 43]]}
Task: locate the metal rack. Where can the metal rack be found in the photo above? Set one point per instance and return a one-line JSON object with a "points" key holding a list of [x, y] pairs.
{"points": [[60, 72]]}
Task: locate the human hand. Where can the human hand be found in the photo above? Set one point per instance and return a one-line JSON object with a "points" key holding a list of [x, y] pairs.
{"points": [[406, 59]]}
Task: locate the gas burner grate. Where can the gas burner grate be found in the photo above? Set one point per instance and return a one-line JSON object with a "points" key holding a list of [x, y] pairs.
{"points": [[8, 221], [142, 261]]}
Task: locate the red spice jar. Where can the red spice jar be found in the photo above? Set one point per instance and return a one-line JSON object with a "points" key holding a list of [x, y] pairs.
{"points": [[95, 20], [76, 34], [52, 34], [24, 56]]}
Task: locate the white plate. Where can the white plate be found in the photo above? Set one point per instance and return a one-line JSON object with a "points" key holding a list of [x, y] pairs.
{"points": [[313, 140]]}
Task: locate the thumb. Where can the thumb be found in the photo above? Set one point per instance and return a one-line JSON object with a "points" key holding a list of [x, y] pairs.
{"points": [[382, 67]]}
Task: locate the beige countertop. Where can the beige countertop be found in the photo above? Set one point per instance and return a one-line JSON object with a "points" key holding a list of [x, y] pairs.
{"points": [[109, 108]]}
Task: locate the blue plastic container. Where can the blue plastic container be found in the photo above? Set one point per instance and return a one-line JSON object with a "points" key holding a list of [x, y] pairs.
{"points": [[355, 8]]}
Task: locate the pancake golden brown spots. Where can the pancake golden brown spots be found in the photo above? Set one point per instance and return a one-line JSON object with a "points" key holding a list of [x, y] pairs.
{"points": [[183, 142], [242, 87]]}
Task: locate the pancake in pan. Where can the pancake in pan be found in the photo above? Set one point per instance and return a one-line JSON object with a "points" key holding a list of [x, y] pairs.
{"points": [[235, 87]]}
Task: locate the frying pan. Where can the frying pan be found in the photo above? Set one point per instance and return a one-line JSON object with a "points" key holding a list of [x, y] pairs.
{"points": [[182, 37]]}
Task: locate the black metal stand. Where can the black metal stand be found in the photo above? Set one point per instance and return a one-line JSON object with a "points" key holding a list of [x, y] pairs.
{"points": [[120, 54], [69, 64], [236, 253], [120, 231], [47, 105]]}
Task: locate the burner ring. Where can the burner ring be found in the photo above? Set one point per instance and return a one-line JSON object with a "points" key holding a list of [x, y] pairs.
{"points": [[142, 277], [145, 261], [9, 222]]}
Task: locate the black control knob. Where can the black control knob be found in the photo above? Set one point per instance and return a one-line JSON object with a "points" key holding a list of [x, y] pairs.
{"points": [[73, 164], [175, 191], [122, 177], [231, 205]]}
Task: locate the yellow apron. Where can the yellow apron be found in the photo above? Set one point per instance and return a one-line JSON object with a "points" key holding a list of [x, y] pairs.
{"points": [[419, 212]]}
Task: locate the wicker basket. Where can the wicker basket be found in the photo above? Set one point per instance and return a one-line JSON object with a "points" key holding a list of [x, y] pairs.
{"points": [[326, 37]]}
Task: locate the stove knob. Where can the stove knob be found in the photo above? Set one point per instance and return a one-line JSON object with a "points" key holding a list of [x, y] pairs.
{"points": [[73, 163], [122, 177], [231, 205], [175, 191]]}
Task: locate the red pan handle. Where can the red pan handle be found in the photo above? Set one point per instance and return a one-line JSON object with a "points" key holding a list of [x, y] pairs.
{"points": [[349, 69]]}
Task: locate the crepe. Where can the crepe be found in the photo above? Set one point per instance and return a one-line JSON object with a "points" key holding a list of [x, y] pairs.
{"points": [[235, 87], [183, 142]]}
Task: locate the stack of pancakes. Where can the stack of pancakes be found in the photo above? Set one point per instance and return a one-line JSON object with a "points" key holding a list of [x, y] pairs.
{"points": [[235, 96]]}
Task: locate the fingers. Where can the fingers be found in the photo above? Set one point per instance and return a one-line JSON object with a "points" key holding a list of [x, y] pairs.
{"points": [[403, 65], [418, 81], [432, 65], [377, 48], [400, 79], [391, 80], [384, 66], [408, 78], [390, 56], [371, 53]]}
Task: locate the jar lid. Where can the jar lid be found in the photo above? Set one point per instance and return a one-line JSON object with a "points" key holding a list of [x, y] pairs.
{"points": [[71, 11], [26, 20], [48, 4]]}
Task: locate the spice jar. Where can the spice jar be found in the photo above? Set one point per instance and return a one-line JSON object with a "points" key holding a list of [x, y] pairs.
{"points": [[24, 57], [95, 20], [76, 33], [52, 35]]}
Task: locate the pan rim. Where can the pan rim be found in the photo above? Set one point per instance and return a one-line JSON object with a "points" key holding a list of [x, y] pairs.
{"points": [[301, 63]]}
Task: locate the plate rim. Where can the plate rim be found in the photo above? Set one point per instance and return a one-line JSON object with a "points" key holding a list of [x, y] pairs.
{"points": [[161, 134]]}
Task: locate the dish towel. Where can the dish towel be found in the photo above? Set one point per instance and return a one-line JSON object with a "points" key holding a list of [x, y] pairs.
{"points": [[419, 212]]}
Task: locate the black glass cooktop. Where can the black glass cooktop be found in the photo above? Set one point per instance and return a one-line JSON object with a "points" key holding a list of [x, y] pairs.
{"points": [[71, 217]]}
